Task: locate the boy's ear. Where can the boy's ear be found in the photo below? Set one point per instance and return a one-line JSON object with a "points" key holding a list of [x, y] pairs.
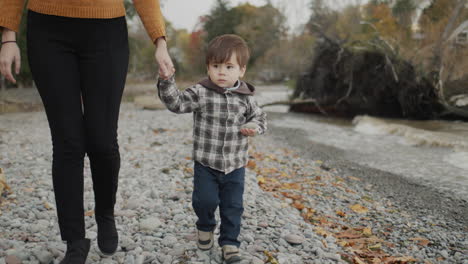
{"points": [[243, 69]]}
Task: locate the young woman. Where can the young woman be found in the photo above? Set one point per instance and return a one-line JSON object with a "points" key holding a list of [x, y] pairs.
{"points": [[78, 55]]}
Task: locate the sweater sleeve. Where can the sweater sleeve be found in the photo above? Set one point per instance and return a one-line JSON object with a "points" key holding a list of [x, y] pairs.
{"points": [[151, 16], [10, 16]]}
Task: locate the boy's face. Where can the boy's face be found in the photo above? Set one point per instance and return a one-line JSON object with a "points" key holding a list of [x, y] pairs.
{"points": [[227, 73]]}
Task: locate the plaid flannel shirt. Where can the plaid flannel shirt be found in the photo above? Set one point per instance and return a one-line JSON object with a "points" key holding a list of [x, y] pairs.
{"points": [[217, 119]]}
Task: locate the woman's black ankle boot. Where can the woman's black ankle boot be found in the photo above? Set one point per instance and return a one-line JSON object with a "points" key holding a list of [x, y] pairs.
{"points": [[107, 236], [77, 251]]}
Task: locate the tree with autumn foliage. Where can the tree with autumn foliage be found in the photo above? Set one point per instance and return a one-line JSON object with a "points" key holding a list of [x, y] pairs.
{"points": [[262, 27]]}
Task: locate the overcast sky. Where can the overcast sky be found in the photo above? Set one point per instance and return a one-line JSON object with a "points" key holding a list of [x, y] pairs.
{"points": [[184, 13]]}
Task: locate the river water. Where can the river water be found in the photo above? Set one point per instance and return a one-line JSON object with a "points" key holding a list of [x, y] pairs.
{"points": [[432, 152]]}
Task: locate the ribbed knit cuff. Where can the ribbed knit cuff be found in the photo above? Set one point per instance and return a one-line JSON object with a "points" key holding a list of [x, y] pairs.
{"points": [[157, 33], [10, 24]]}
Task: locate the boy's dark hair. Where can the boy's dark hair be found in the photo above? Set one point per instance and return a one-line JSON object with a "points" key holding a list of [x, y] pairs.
{"points": [[222, 47]]}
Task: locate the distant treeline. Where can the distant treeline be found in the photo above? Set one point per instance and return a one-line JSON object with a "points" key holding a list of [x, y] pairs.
{"points": [[278, 54]]}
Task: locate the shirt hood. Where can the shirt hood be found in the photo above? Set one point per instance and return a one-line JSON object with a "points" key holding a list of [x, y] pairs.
{"points": [[244, 88]]}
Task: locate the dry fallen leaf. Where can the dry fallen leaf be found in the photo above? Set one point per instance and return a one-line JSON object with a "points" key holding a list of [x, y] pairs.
{"points": [[324, 242], [89, 213], [292, 196], [375, 247], [298, 205], [322, 232], [3, 185], [270, 257], [399, 260], [251, 164], [367, 231], [48, 206], [359, 208], [358, 260], [291, 186], [261, 180], [343, 243], [341, 213], [351, 234], [188, 170], [421, 241]]}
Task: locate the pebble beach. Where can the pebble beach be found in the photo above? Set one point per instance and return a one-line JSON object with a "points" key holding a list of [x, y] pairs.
{"points": [[298, 208]]}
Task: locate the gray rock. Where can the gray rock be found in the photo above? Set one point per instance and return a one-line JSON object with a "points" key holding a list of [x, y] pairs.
{"points": [[44, 257], [294, 239], [150, 224]]}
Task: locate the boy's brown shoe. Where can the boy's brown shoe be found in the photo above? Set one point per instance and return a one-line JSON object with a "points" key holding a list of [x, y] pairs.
{"points": [[205, 240], [231, 254]]}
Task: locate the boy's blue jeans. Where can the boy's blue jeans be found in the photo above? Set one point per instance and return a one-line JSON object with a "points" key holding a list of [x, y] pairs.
{"points": [[213, 188]]}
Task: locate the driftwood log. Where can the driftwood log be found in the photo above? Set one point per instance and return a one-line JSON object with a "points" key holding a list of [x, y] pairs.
{"points": [[359, 79], [369, 78]]}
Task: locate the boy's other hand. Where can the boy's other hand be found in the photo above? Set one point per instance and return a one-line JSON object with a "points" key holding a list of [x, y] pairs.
{"points": [[249, 132]]}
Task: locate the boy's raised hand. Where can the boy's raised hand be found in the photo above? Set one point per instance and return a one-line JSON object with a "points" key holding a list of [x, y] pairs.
{"points": [[249, 132], [249, 129]]}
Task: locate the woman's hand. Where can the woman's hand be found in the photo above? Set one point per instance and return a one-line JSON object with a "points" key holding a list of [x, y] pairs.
{"points": [[9, 54], [166, 68]]}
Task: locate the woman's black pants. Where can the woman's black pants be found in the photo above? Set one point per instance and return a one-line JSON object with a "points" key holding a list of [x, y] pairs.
{"points": [[79, 67]]}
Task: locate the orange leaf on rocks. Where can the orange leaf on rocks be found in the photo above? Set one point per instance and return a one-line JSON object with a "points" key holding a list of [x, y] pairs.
{"points": [[48, 206], [341, 213], [348, 234], [89, 213], [399, 260], [298, 205], [309, 214], [292, 196], [367, 231], [289, 186], [270, 257], [3, 183], [251, 164], [188, 170], [358, 260], [343, 243], [159, 130], [359, 209], [322, 232], [421, 241], [313, 192], [324, 243], [353, 178], [375, 247], [261, 180]]}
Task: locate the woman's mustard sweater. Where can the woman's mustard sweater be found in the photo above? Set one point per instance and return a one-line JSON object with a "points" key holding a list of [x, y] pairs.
{"points": [[148, 10]]}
